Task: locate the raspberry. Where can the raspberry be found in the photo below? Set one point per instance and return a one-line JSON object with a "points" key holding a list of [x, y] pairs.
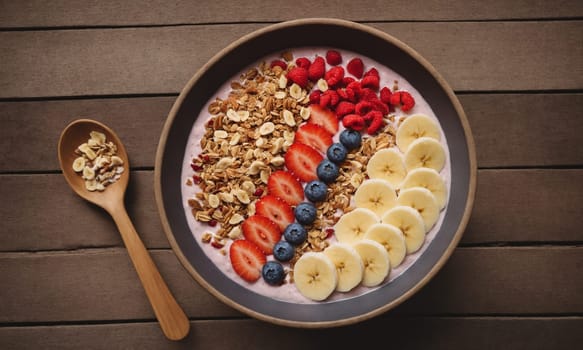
{"points": [[303, 62], [334, 75], [334, 97], [371, 82], [347, 80], [376, 123], [372, 72], [368, 94], [355, 67], [370, 116], [363, 107], [380, 106], [351, 95], [395, 98], [342, 93], [333, 57], [278, 63], [299, 76], [355, 87], [354, 122], [325, 100], [317, 69], [386, 95], [315, 96], [407, 101], [344, 108]]}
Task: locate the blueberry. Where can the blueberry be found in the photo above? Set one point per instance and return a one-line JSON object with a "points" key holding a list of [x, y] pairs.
{"points": [[273, 273], [350, 139], [327, 171], [305, 213], [336, 153], [295, 234], [283, 251], [316, 191]]}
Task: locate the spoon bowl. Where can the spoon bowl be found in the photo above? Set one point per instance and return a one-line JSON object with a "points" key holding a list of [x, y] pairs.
{"points": [[172, 319], [76, 134]]}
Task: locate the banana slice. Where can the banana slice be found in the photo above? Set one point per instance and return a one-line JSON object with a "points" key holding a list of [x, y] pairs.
{"points": [[353, 225], [315, 276], [392, 239], [414, 127], [375, 260], [348, 264], [410, 222], [387, 164], [425, 152], [377, 195], [78, 164], [431, 180], [422, 200]]}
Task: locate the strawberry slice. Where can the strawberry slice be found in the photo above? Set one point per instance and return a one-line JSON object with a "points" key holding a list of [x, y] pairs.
{"points": [[303, 161], [285, 186], [276, 210], [323, 117], [262, 232], [315, 136], [247, 259]]}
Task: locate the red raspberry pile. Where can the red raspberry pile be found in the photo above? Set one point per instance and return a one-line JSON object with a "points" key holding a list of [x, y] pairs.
{"points": [[354, 95]]}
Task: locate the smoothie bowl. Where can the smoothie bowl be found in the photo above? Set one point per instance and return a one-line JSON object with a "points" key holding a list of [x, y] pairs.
{"points": [[315, 173]]}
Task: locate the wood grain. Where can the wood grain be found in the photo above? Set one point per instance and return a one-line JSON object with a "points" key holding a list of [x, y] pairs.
{"points": [[553, 140], [538, 206], [36, 13], [438, 333], [162, 59], [101, 285]]}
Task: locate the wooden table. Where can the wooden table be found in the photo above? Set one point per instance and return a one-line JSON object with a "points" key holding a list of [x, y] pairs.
{"points": [[515, 281]]}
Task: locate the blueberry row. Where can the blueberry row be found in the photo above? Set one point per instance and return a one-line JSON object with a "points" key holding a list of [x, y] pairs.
{"points": [[305, 213]]}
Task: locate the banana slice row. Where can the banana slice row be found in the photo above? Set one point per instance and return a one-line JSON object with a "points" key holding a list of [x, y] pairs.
{"points": [[395, 208], [341, 267]]}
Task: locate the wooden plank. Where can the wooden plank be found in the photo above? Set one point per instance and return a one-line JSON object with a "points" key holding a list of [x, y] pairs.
{"points": [[101, 285], [137, 121], [528, 139], [437, 333], [36, 13], [527, 206], [510, 206], [526, 129], [162, 59]]}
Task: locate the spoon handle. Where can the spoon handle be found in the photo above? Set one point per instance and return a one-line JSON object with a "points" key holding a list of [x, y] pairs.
{"points": [[170, 315]]}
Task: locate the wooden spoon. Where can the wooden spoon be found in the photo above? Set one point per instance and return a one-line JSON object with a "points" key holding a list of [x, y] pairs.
{"points": [[171, 317]]}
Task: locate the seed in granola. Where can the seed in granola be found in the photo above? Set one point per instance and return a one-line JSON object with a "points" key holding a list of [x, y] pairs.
{"points": [[235, 232], [288, 117], [266, 128], [295, 91], [277, 161], [256, 167], [248, 186], [206, 237], [322, 84], [236, 218], [224, 163], [213, 201], [242, 196], [220, 134]]}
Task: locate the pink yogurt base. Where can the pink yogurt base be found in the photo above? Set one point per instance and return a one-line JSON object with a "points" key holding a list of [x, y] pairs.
{"points": [[288, 292]]}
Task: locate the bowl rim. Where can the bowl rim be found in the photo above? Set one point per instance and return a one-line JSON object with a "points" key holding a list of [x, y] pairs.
{"points": [[472, 162]]}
